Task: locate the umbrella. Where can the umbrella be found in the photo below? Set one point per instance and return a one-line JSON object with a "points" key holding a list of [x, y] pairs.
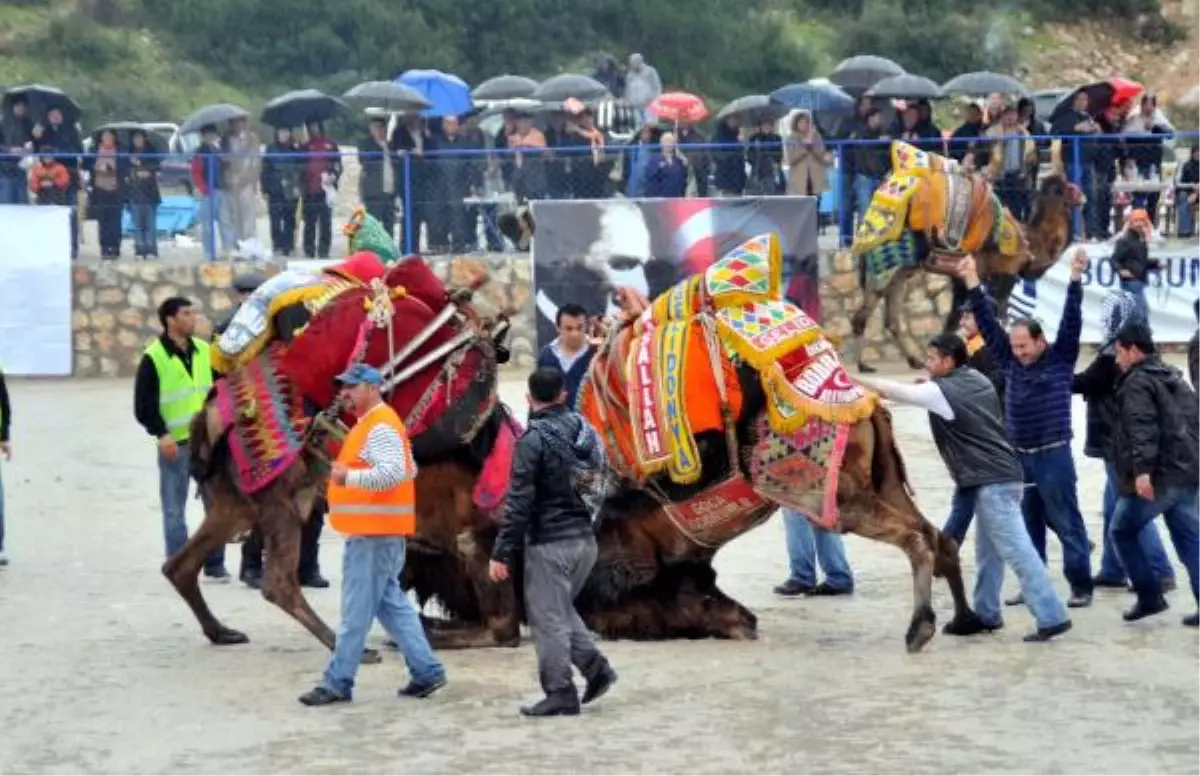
{"points": [[677, 107], [387, 96], [756, 107], [211, 114], [297, 108], [447, 95], [561, 87], [41, 99], [1103, 96], [907, 86], [814, 98], [857, 74], [504, 87], [983, 83]]}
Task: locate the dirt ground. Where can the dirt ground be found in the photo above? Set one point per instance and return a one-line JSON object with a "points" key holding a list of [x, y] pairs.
{"points": [[103, 669]]}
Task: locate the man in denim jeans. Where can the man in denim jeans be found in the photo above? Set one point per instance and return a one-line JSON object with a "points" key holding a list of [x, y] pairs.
{"points": [[808, 545], [1037, 416], [964, 416], [172, 382], [372, 500], [1158, 466]]}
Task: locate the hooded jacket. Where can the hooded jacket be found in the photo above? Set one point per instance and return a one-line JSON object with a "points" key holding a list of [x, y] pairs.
{"points": [[543, 505], [1156, 432], [1097, 384]]}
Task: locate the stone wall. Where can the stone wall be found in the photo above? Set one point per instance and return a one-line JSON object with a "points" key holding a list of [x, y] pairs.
{"points": [[114, 305]]}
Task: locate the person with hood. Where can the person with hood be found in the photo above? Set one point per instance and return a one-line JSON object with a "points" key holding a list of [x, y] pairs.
{"points": [[557, 475], [282, 170], [1097, 384], [804, 153], [16, 142], [729, 158], [141, 190], [1186, 194], [1131, 259], [636, 158], [764, 151], [242, 167], [1158, 466], [642, 83], [608, 72]]}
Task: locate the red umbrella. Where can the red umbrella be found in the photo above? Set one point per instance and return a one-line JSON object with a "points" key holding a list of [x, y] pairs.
{"points": [[678, 106]]}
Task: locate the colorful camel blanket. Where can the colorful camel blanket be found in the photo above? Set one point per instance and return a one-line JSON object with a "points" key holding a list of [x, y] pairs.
{"points": [[265, 416], [800, 470], [679, 359], [928, 194]]}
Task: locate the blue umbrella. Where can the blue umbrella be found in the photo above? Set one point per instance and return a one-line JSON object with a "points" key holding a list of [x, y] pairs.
{"points": [[448, 95], [815, 97]]}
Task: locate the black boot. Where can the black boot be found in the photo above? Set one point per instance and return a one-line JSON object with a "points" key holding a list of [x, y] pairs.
{"points": [[251, 577], [599, 681], [969, 625], [1145, 609], [559, 704]]}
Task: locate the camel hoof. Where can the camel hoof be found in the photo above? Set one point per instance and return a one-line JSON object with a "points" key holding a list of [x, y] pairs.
{"points": [[226, 636], [370, 657], [921, 631]]}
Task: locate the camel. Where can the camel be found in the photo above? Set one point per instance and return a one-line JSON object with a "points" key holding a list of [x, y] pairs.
{"points": [[1031, 250]]}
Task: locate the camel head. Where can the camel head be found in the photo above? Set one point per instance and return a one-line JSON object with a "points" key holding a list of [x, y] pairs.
{"points": [[1049, 230]]}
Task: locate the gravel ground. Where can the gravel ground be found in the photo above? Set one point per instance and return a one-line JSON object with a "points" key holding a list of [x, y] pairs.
{"points": [[103, 668]]}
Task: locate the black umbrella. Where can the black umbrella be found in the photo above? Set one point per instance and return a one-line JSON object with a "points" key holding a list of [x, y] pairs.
{"points": [[297, 108], [212, 114], [504, 87], [43, 98], [982, 84], [906, 86], [857, 74], [1101, 96], [387, 95], [563, 87], [755, 108]]}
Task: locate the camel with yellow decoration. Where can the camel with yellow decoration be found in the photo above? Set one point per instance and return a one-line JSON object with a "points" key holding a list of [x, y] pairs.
{"points": [[927, 215]]}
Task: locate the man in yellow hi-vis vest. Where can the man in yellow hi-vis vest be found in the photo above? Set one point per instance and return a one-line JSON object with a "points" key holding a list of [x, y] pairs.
{"points": [[172, 381], [371, 499]]}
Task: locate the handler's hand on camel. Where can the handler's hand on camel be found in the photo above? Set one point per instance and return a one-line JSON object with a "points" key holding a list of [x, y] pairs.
{"points": [[1079, 263], [338, 473], [969, 272], [1144, 487], [168, 447], [497, 571]]}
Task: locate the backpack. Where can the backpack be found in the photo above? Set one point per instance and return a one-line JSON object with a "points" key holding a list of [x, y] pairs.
{"points": [[589, 476]]}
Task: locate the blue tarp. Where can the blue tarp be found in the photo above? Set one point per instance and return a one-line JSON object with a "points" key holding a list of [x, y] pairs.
{"points": [[177, 214]]}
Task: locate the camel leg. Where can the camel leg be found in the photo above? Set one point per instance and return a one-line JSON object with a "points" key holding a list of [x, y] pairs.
{"points": [[893, 304], [946, 566], [183, 571], [907, 533], [858, 327], [500, 626]]}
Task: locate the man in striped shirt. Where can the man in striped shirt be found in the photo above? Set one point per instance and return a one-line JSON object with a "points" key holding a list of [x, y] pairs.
{"points": [[1037, 414]]}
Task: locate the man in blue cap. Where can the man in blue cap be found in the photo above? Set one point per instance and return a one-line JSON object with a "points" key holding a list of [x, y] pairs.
{"points": [[372, 500]]}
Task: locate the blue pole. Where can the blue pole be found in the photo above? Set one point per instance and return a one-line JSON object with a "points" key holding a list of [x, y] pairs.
{"points": [[210, 237], [846, 197], [1077, 179], [408, 205]]}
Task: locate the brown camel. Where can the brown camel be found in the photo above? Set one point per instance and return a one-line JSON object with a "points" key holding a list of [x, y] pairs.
{"points": [[1044, 239]]}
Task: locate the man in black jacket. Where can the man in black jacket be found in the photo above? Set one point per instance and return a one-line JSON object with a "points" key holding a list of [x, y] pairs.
{"points": [[1158, 457], [1131, 259], [1098, 386], [548, 515]]}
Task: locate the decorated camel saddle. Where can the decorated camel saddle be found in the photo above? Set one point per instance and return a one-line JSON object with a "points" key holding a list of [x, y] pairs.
{"points": [[930, 210], [253, 325], [438, 361], [676, 373]]}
